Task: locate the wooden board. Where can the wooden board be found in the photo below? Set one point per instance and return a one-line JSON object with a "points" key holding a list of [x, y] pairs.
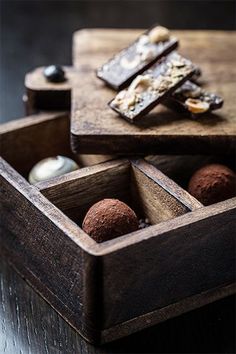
{"points": [[96, 129]]}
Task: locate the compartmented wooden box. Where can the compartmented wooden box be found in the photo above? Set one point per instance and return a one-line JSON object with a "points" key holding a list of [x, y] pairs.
{"points": [[184, 260]]}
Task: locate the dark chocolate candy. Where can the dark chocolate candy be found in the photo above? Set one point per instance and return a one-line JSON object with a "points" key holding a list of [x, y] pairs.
{"points": [[119, 71], [152, 87], [54, 73], [193, 100]]}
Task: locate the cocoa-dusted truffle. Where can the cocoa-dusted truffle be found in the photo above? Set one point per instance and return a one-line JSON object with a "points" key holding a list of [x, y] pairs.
{"points": [[108, 219], [213, 183]]}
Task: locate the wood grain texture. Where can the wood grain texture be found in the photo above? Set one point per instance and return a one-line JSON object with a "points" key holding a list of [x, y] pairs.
{"points": [[96, 129], [97, 287], [44, 95], [50, 258], [171, 256], [188, 259], [26, 141], [180, 168], [29, 325], [150, 193], [110, 290]]}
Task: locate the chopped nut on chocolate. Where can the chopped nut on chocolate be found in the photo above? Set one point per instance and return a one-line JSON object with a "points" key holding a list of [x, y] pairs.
{"points": [[197, 100], [121, 69], [196, 106], [130, 64], [154, 85], [140, 83], [125, 99], [159, 34], [144, 39], [177, 63], [147, 53], [162, 83]]}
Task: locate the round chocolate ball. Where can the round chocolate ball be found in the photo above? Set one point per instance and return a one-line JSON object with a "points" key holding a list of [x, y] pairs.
{"points": [[54, 73], [213, 183], [108, 219]]}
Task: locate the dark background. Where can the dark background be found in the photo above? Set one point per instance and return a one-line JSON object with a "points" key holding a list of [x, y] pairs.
{"points": [[35, 33]]}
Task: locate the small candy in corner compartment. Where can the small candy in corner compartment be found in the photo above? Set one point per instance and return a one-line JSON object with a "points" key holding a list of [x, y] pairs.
{"points": [[212, 183], [51, 167]]}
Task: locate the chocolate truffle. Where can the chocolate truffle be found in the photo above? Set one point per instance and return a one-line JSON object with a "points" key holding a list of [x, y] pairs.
{"points": [[51, 167], [213, 183], [108, 219]]}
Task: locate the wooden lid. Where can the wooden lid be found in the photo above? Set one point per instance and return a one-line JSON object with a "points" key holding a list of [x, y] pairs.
{"points": [[96, 129]]}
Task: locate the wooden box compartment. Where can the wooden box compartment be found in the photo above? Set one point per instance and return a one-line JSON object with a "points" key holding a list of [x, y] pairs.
{"points": [[180, 168], [26, 141], [184, 260], [151, 194]]}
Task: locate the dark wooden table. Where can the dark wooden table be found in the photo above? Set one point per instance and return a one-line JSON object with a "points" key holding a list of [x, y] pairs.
{"points": [[29, 325]]}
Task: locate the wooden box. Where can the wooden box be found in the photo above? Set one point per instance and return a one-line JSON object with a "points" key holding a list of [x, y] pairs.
{"points": [[108, 290]]}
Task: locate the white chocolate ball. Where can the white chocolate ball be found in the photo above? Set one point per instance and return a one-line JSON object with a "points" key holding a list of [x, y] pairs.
{"points": [[51, 167]]}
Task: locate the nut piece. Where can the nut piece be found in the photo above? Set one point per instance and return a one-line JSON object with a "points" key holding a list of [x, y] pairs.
{"points": [[124, 99], [147, 54], [130, 64], [159, 34], [140, 84], [108, 219], [162, 83], [196, 106], [143, 40]]}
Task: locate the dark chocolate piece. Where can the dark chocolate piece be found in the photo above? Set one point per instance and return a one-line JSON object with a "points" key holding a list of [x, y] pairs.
{"points": [[193, 100], [119, 71], [152, 87], [54, 73]]}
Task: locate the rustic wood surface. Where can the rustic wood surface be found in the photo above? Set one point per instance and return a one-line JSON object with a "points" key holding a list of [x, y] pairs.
{"points": [[44, 95], [26, 141], [143, 175], [91, 314], [96, 129], [148, 191], [150, 187]]}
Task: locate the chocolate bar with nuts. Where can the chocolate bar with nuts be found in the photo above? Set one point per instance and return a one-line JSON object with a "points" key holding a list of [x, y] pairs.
{"points": [[193, 100], [152, 87], [119, 71]]}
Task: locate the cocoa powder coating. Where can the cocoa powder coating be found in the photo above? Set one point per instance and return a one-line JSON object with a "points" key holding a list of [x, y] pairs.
{"points": [[108, 219], [213, 183]]}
